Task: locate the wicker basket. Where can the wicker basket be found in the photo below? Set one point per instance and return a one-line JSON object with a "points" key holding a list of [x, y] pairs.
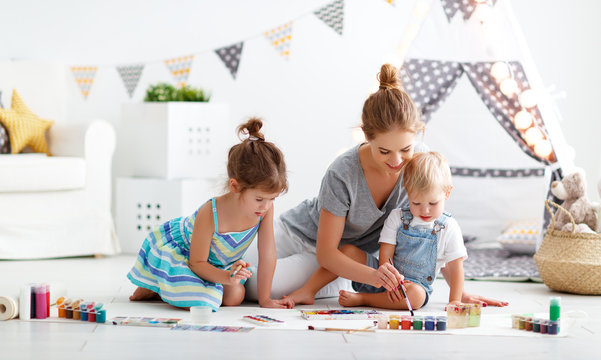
{"points": [[569, 261]]}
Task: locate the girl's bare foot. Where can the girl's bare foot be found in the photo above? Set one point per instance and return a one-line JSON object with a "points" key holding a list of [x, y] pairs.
{"points": [[301, 296], [144, 294], [349, 299]]}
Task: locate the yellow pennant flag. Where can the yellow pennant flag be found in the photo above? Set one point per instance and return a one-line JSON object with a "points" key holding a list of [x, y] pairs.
{"points": [[84, 76]]}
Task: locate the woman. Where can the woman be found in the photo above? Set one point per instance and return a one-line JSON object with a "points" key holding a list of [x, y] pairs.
{"points": [[360, 188]]}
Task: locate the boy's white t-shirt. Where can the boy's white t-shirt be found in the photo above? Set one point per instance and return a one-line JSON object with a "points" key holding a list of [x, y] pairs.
{"points": [[450, 239]]}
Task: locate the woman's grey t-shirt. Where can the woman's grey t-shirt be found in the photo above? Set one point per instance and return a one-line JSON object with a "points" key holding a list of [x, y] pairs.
{"points": [[344, 192]]}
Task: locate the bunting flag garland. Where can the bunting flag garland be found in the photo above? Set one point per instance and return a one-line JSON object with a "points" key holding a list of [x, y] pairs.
{"points": [[84, 76], [230, 55], [429, 82], [497, 173], [130, 74], [467, 7], [280, 38], [180, 68], [333, 15]]}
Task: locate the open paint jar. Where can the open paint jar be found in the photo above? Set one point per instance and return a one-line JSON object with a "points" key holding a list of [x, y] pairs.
{"points": [[458, 316], [200, 314], [475, 312]]}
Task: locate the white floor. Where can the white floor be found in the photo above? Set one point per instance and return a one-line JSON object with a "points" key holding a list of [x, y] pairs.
{"points": [[104, 280]]}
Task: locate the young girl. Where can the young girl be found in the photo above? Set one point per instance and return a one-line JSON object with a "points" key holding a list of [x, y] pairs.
{"points": [[196, 260], [419, 240]]}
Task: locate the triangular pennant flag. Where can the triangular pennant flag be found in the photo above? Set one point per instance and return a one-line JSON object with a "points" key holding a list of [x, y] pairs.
{"points": [[333, 15], [84, 76], [467, 7], [230, 55], [130, 74], [180, 68], [280, 38]]}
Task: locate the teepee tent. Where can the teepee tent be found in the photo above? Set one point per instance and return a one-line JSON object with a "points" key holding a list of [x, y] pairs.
{"points": [[467, 67]]}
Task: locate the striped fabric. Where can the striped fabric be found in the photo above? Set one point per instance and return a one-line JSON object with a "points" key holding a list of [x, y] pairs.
{"points": [[162, 263]]}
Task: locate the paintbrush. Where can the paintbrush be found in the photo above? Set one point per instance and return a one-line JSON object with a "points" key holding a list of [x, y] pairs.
{"points": [[367, 329], [236, 271], [402, 288]]}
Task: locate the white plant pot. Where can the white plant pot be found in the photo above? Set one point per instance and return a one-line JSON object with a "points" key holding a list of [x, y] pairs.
{"points": [[176, 140]]}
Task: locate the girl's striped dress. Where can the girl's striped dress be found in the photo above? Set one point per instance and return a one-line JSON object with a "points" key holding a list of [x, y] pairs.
{"points": [[162, 263]]}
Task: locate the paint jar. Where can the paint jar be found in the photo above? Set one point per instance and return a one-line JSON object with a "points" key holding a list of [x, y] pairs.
{"points": [[69, 312], [543, 326], [92, 315], [47, 291], [429, 323], [200, 314], [406, 322], [521, 322], [382, 321], [40, 302], [475, 312], [76, 309], [458, 316], [554, 308], [515, 321], [418, 322], [60, 303], [553, 327], [101, 316], [83, 311], [441, 323], [528, 324], [394, 321], [536, 325]]}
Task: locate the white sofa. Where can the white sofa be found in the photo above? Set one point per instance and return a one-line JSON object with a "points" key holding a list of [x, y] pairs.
{"points": [[59, 206]]}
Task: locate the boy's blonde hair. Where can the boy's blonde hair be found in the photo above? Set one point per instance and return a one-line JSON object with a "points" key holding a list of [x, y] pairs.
{"points": [[425, 172]]}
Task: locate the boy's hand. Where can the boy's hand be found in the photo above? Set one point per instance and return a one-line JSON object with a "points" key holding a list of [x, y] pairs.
{"points": [[239, 271], [284, 303]]}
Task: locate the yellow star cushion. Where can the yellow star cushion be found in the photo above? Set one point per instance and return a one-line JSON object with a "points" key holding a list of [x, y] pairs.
{"points": [[24, 127]]}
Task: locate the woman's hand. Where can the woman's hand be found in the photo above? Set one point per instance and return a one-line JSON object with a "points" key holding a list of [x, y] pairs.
{"points": [[239, 271], [467, 298], [284, 303], [388, 277]]}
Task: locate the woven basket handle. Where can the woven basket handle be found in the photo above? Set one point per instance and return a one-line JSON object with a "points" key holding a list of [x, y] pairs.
{"points": [[559, 207]]}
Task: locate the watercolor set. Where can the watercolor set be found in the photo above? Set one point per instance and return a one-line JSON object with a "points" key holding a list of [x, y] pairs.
{"points": [[340, 314], [145, 321], [407, 322], [212, 328], [263, 320], [549, 326], [464, 315], [79, 310]]}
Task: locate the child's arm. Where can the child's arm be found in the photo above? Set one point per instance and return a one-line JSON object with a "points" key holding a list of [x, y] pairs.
{"points": [[385, 256], [456, 276], [267, 262], [199, 250]]}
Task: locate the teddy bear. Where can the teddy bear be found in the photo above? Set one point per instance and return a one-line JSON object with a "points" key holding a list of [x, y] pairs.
{"points": [[572, 190]]}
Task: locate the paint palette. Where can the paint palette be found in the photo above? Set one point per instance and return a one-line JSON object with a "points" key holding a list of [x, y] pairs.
{"points": [[262, 320], [145, 321], [341, 314], [212, 328]]}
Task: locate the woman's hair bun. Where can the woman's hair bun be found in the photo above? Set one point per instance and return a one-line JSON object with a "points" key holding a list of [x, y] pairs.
{"points": [[389, 77], [251, 128]]}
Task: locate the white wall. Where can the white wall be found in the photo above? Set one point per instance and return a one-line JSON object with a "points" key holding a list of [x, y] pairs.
{"points": [[310, 102]]}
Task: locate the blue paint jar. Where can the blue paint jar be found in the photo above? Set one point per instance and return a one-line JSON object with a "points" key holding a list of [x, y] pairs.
{"points": [[84, 312], [441, 323], [429, 323], [553, 328], [101, 316]]}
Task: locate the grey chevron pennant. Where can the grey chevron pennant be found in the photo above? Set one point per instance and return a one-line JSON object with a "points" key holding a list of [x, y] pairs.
{"points": [[333, 15], [130, 74], [230, 55]]}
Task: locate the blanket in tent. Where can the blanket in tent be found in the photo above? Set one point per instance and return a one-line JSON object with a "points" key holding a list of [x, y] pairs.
{"points": [[499, 264]]}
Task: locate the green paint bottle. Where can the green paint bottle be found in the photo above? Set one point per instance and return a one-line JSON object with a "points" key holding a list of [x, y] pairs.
{"points": [[555, 308]]}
